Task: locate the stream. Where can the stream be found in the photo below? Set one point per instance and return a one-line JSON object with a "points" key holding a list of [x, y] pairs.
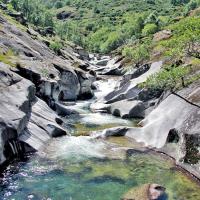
{"points": [[83, 167]]}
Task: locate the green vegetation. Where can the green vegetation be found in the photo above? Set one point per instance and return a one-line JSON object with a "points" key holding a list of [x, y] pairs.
{"points": [[103, 26], [183, 45], [8, 57], [137, 53], [169, 79], [56, 46]]}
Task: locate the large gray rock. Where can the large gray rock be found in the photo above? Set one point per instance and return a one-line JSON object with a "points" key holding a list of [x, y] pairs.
{"points": [[128, 109], [17, 96], [172, 113], [41, 126], [103, 62], [111, 66], [85, 85]]}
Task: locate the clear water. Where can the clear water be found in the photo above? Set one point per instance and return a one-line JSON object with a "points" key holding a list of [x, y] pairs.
{"points": [[79, 168]]}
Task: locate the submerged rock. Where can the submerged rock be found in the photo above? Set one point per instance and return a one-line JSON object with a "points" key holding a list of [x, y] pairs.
{"points": [[146, 192]]}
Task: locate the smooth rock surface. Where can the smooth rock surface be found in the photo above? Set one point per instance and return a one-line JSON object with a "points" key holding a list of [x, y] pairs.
{"points": [[17, 96], [42, 126], [128, 109], [146, 192]]}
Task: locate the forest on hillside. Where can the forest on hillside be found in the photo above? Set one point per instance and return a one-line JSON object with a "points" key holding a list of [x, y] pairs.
{"points": [[103, 26]]}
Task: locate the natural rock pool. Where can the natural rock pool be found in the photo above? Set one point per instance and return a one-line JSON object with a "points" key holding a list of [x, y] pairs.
{"points": [[77, 168], [80, 168]]}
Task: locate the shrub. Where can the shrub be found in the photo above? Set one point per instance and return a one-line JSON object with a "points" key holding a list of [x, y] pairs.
{"points": [[138, 54], [55, 46], [169, 79], [58, 4], [114, 41], [149, 29], [185, 32]]}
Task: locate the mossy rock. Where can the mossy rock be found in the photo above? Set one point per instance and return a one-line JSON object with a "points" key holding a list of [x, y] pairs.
{"points": [[138, 193]]}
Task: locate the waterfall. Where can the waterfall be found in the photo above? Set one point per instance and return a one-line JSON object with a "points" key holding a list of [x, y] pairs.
{"points": [[15, 147]]}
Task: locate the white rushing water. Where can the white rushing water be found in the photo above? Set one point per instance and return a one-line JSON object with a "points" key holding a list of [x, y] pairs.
{"points": [[74, 148]]}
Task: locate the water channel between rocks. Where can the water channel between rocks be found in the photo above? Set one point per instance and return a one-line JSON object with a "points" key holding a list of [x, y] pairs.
{"points": [[81, 167]]}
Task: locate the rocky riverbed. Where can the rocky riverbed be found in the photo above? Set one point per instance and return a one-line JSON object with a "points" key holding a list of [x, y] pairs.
{"points": [[86, 128]]}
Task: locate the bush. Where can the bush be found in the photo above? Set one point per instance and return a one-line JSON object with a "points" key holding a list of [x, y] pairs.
{"points": [[55, 46], [138, 53], [167, 79], [114, 41], [58, 4], [149, 29]]}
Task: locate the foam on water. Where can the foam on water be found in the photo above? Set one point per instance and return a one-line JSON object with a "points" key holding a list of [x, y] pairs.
{"points": [[101, 119], [74, 148]]}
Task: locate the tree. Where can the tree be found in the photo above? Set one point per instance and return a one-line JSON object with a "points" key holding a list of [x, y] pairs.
{"points": [[152, 18], [58, 4], [114, 41], [138, 54]]}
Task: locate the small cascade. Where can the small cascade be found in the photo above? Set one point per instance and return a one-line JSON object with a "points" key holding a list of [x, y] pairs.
{"points": [[14, 149]]}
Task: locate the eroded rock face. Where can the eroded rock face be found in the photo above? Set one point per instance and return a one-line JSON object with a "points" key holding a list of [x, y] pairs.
{"points": [[54, 77], [42, 126], [17, 97]]}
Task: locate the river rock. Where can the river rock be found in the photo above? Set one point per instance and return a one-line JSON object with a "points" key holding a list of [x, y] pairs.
{"points": [[103, 62], [85, 81], [83, 54], [41, 126], [113, 67], [63, 110], [146, 192], [116, 131], [128, 109], [135, 73]]}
